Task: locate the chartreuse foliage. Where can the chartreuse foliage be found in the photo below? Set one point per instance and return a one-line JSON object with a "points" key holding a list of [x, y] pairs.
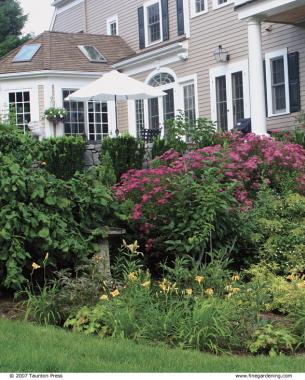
{"points": [[40, 213], [278, 230]]}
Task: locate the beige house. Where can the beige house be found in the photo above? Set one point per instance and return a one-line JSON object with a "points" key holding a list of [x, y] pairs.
{"points": [[219, 59]]}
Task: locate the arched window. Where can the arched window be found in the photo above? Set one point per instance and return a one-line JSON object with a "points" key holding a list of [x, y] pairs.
{"points": [[161, 79]]}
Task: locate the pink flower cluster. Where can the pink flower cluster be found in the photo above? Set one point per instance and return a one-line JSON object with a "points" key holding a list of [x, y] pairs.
{"points": [[248, 161]]}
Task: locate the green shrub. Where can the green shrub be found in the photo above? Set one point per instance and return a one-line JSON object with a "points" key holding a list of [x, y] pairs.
{"points": [[64, 156], [20, 146], [272, 340], [39, 214], [278, 230], [182, 134], [126, 153]]}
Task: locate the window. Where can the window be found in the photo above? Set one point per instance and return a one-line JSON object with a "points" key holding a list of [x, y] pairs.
{"points": [[221, 103], [112, 26], [19, 103], [161, 79], [98, 121], [237, 96], [92, 54], [140, 121], [26, 53], [189, 101], [277, 83], [221, 3], [153, 113], [153, 23], [75, 121]]}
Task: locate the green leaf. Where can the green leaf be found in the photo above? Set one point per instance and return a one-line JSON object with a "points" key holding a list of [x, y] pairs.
{"points": [[44, 233]]}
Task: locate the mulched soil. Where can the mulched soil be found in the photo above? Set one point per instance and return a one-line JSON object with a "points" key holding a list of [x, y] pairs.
{"points": [[11, 309]]}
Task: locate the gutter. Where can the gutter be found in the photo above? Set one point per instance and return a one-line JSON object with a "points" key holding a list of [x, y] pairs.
{"points": [[51, 73], [154, 54]]}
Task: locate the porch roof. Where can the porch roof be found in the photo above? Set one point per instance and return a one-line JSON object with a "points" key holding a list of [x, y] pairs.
{"points": [[277, 11]]}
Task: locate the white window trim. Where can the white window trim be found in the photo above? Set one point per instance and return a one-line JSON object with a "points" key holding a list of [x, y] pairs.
{"points": [[109, 22], [193, 9], [217, 6], [178, 99], [268, 57], [146, 5]]}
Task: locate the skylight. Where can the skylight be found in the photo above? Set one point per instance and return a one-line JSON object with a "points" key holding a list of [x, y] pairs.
{"points": [[27, 52], [92, 54]]}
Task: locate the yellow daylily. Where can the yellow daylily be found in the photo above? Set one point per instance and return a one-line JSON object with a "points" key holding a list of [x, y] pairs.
{"points": [[209, 292], [146, 284], [235, 277], [132, 276], [115, 293], [133, 248], [104, 297], [292, 277], [35, 266], [199, 279], [189, 291], [235, 290]]}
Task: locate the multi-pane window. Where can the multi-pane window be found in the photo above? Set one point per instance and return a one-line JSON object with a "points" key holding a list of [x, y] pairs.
{"points": [[161, 79], [222, 2], [199, 6], [221, 103], [98, 121], [278, 85], [19, 104], [113, 29], [140, 121], [153, 113], [237, 96], [153, 23], [169, 105], [189, 101], [74, 123]]}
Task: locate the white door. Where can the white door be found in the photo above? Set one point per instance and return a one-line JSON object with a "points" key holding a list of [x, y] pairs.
{"points": [[229, 94]]}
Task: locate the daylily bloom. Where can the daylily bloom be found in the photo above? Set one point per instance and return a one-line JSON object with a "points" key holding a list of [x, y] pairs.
{"points": [[189, 291], [35, 266], [235, 277], [115, 293], [132, 276], [104, 297], [209, 292], [199, 279], [146, 284]]}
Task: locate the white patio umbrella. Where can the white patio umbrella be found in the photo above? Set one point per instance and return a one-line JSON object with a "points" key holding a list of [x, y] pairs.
{"points": [[115, 86]]}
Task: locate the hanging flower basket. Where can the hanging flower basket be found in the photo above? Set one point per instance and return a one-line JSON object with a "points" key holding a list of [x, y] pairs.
{"points": [[55, 115]]}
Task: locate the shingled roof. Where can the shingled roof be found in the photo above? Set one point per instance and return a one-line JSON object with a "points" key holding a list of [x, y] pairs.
{"points": [[60, 52]]}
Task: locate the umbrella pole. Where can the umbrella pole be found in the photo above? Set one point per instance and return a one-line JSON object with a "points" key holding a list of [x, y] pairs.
{"points": [[117, 132]]}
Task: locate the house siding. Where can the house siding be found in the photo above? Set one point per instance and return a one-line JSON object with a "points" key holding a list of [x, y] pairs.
{"points": [[71, 20], [98, 12], [216, 27]]}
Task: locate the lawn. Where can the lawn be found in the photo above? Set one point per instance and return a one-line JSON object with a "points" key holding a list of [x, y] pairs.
{"points": [[28, 348]]}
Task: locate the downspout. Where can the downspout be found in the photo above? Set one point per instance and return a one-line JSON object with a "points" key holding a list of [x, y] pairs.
{"points": [[85, 16]]}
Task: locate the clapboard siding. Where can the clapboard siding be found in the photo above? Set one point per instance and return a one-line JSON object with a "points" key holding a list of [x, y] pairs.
{"points": [[98, 11], [217, 27], [72, 20]]}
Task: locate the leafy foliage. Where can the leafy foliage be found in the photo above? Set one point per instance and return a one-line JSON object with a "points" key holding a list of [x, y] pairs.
{"points": [[278, 230], [182, 134], [39, 213], [63, 156], [126, 153], [272, 340]]}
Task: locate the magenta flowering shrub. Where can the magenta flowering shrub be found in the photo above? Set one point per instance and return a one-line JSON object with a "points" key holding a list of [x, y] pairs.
{"points": [[235, 172]]}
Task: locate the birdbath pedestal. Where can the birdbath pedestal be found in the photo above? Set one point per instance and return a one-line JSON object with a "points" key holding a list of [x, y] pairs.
{"points": [[103, 255]]}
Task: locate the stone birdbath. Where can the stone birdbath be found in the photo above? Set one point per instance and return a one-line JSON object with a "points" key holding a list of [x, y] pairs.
{"points": [[103, 257]]}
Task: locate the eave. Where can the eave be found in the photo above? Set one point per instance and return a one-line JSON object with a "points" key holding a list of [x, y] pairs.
{"points": [[50, 73]]}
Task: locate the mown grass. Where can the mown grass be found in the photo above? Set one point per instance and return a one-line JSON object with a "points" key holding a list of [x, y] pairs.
{"points": [[28, 348]]}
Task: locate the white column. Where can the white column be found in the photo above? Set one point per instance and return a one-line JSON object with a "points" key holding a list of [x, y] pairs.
{"points": [[256, 75]]}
